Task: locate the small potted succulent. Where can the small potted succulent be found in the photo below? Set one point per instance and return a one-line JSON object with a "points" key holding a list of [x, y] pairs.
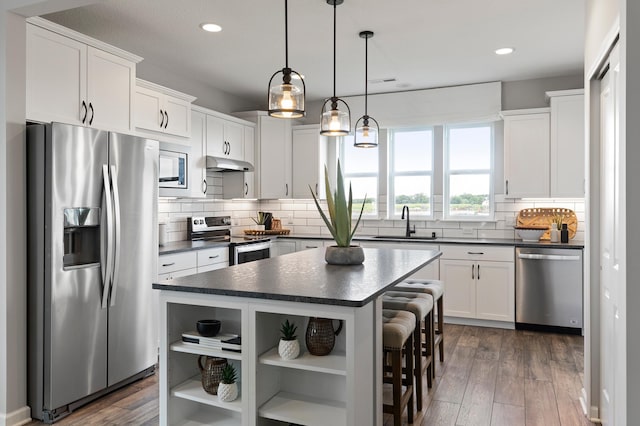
{"points": [[289, 347], [228, 388], [339, 222], [260, 221]]}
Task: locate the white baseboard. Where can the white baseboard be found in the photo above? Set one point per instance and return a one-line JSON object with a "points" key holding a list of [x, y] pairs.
{"points": [[18, 417], [592, 412], [479, 322]]}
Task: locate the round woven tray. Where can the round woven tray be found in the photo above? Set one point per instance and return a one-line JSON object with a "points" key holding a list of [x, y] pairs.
{"points": [[267, 232], [543, 217]]}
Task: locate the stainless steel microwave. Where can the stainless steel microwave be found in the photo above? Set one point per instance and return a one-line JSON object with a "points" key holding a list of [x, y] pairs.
{"points": [[173, 170]]}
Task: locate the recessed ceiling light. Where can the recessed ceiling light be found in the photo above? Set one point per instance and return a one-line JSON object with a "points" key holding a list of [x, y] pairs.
{"points": [[212, 28], [504, 51]]}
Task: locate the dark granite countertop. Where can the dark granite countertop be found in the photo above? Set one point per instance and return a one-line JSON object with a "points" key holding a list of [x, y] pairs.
{"points": [[306, 277]]}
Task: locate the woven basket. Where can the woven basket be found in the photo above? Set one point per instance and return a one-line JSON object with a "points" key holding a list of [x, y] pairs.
{"points": [[211, 372]]}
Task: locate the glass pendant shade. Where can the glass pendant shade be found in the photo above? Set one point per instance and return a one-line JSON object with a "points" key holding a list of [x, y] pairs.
{"points": [[366, 134], [286, 100], [335, 122]]}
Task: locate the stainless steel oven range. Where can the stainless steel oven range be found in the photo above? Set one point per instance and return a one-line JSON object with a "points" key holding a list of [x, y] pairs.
{"points": [[218, 228]]}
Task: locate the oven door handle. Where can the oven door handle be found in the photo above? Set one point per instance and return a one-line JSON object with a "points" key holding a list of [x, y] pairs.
{"points": [[244, 248]]}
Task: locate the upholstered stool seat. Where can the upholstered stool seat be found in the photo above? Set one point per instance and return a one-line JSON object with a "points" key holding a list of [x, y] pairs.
{"points": [[397, 334], [436, 289], [421, 306]]}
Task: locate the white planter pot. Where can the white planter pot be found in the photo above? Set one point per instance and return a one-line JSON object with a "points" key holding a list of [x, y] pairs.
{"points": [[289, 349], [227, 392]]}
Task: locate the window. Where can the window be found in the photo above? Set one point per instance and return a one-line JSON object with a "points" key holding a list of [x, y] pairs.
{"points": [[411, 171], [360, 169], [468, 171]]}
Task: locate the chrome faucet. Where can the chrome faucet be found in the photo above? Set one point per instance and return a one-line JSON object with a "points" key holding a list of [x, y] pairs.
{"points": [[409, 230]]}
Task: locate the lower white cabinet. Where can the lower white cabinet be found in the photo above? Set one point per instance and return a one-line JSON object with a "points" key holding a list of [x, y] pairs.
{"points": [[177, 265], [479, 282], [281, 246]]}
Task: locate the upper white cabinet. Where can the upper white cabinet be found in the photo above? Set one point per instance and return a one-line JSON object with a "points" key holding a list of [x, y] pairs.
{"points": [[197, 157], [72, 78], [225, 138], [272, 155], [526, 153], [567, 143], [309, 151], [160, 109]]}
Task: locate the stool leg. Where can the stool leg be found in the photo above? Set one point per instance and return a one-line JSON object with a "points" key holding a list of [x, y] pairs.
{"points": [[441, 326], [396, 372], [409, 377], [418, 365]]}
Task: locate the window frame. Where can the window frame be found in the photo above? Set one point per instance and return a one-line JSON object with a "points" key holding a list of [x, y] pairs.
{"points": [[342, 143], [391, 174], [447, 173]]}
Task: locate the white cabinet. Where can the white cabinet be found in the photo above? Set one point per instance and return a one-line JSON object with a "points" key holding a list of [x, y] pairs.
{"points": [[163, 110], [309, 151], [526, 153], [282, 246], [479, 282], [225, 138], [273, 155], [185, 263], [567, 143], [197, 157], [213, 258], [429, 272], [242, 184], [77, 80]]}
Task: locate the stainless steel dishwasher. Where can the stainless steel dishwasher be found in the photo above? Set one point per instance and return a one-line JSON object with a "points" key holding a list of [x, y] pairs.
{"points": [[549, 289]]}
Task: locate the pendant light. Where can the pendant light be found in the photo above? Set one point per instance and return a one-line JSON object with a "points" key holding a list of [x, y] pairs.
{"points": [[335, 122], [286, 100], [366, 134]]}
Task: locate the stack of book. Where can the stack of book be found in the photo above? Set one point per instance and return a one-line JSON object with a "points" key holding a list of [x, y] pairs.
{"points": [[222, 341]]}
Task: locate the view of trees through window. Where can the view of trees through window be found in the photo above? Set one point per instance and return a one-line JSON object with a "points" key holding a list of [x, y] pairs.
{"points": [[360, 170]]}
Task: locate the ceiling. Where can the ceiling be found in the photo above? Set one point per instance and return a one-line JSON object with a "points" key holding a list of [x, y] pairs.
{"points": [[419, 43]]}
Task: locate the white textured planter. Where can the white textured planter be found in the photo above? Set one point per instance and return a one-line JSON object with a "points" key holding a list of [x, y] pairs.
{"points": [[289, 349], [227, 392]]}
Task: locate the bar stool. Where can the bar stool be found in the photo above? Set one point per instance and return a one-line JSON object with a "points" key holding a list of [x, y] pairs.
{"points": [[397, 334], [421, 306], [436, 289]]}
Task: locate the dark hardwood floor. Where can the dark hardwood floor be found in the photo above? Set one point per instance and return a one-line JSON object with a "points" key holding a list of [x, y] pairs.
{"points": [[489, 377]]}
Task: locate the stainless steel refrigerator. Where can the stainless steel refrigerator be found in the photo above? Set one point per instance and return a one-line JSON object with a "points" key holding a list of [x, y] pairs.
{"points": [[92, 206]]}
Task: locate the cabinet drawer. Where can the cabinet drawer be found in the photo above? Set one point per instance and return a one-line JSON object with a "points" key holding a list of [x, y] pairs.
{"points": [[479, 252], [213, 255], [176, 262], [177, 274]]}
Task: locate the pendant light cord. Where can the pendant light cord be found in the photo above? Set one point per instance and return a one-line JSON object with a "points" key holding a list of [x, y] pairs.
{"points": [[366, 67], [334, 48], [286, 36]]}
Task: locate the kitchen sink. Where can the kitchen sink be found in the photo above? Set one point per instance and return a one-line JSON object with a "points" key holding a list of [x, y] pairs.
{"points": [[401, 237]]}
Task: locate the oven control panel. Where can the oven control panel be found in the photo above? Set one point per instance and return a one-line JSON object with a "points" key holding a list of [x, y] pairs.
{"points": [[204, 223]]}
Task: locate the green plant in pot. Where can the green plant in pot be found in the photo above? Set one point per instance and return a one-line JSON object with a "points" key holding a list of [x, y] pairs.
{"points": [[228, 388], [288, 347], [339, 222], [260, 221]]}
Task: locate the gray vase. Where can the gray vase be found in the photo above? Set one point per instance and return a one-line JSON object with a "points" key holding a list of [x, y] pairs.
{"points": [[352, 255]]}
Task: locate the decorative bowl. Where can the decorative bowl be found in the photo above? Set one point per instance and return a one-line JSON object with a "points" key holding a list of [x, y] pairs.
{"points": [[530, 234], [208, 327]]}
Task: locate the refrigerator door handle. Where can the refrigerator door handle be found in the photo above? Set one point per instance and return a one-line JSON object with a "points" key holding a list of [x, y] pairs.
{"points": [[107, 270], [116, 208]]}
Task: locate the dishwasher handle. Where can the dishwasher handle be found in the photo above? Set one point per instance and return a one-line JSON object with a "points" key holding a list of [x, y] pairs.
{"points": [[546, 257]]}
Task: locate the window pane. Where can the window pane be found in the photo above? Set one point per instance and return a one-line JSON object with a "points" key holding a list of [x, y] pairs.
{"points": [[412, 191], [412, 150], [470, 148], [360, 187], [358, 160], [469, 195]]}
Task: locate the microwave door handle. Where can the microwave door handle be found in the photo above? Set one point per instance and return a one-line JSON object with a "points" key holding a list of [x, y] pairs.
{"points": [[116, 208], [107, 270]]}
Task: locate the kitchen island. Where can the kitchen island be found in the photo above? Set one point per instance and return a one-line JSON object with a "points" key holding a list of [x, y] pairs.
{"points": [[252, 300]]}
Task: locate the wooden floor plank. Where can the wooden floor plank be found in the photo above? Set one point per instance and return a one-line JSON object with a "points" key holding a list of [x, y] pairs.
{"points": [[541, 408], [490, 343], [507, 415], [536, 358], [510, 390], [477, 404], [441, 413]]}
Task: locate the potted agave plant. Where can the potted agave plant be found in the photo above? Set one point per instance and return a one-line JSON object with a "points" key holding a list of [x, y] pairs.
{"points": [[339, 222], [228, 388], [289, 347]]}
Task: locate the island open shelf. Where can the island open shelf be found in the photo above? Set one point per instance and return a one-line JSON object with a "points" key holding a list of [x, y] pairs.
{"points": [[253, 300]]}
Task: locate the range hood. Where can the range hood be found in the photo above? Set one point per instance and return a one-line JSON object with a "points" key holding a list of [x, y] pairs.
{"points": [[221, 164]]}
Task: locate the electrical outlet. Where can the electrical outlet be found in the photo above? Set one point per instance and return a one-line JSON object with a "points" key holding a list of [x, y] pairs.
{"points": [[289, 219]]}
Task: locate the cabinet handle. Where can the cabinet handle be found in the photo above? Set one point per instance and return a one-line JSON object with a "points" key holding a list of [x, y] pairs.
{"points": [[168, 264], [475, 252], [507, 187], [228, 148], [246, 188], [204, 186], [161, 119], [84, 117], [213, 257], [92, 113], [473, 275], [286, 189], [317, 189], [478, 271], [166, 123]]}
